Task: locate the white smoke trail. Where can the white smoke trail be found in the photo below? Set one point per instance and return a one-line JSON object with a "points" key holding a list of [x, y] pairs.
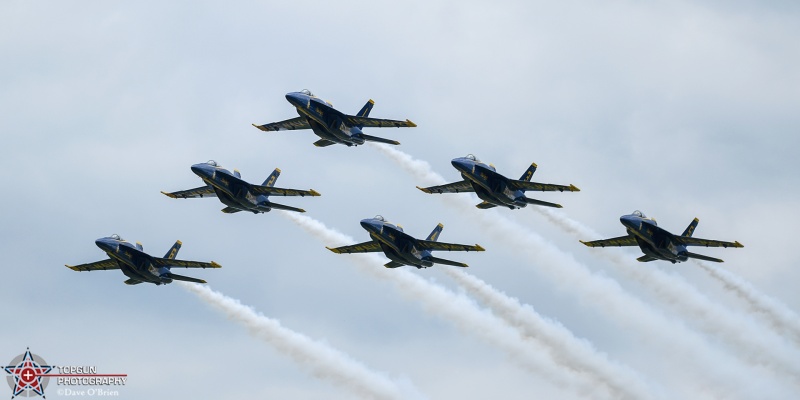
{"points": [[564, 347], [749, 340], [323, 361], [780, 316], [458, 309], [709, 371]]}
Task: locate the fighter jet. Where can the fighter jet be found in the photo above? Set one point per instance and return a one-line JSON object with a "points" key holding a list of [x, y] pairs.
{"points": [[331, 125], [237, 194], [495, 189], [140, 266], [658, 244], [402, 248]]}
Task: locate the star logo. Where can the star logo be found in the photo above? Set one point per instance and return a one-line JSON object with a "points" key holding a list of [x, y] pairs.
{"points": [[27, 374]]}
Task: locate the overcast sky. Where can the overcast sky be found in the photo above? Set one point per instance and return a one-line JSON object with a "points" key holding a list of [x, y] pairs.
{"points": [[679, 109]]}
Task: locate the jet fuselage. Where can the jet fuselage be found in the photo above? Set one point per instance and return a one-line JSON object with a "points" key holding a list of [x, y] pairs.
{"points": [[326, 122], [489, 185], [230, 189], [654, 241], [133, 261], [397, 245]]}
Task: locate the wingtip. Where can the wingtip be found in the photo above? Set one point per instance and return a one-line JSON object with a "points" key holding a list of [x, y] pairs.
{"points": [[259, 127], [573, 188], [411, 124], [737, 244], [169, 195], [479, 248], [301, 210], [314, 192], [333, 249], [424, 190], [558, 206], [215, 265], [585, 243]]}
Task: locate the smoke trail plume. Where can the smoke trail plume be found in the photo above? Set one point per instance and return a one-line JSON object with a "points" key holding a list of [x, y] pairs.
{"points": [[458, 309], [749, 340], [781, 317], [711, 371], [323, 361], [563, 346]]}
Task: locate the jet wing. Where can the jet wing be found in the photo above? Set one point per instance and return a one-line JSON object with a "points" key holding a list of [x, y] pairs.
{"points": [[431, 245], [95, 266], [540, 187], [203, 191], [455, 187], [617, 241], [693, 241], [166, 262], [377, 123], [288, 125], [273, 191], [366, 247]]}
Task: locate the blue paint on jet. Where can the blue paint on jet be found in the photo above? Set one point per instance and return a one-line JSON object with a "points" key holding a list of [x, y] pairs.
{"points": [[402, 248], [495, 189], [657, 243], [237, 194], [139, 266], [330, 124]]}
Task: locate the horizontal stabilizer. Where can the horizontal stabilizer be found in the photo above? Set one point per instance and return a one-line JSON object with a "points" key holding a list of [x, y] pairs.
{"points": [[230, 210], [283, 207], [486, 205], [646, 258], [702, 257], [542, 203], [183, 278], [323, 143], [392, 264], [379, 139], [448, 262], [132, 282]]}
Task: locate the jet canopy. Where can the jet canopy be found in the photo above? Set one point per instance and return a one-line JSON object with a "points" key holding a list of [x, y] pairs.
{"points": [[472, 157], [307, 93], [115, 237], [212, 163], [641, 215], [380, 218]]}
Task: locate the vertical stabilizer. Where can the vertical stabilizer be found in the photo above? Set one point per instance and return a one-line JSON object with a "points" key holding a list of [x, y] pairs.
{"points": [[364, 112], [690, 229], [528, 173], [173, 251], [434, 236], [270, 182]]}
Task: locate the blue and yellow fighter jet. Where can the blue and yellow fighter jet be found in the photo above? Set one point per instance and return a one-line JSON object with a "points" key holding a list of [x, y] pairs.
{"points": [[331, 125], [402, 248], [495, 189], [658, 244], [237, 194], [140, 266]]}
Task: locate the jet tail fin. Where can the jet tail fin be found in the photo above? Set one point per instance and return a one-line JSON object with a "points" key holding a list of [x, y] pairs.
{"points": [[542, 203], [438, 260], [177, 277], [702, 257], [364, 112], [690, 229], [528, 173], [270, 181], [379, 139], [435, 233], [173, 251]]}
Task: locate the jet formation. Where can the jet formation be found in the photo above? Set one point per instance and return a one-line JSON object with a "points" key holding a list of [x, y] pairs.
{"points": [[332, 125], [658, 244], [237, 194], [139, 266], [402, 248], [495, 189]]}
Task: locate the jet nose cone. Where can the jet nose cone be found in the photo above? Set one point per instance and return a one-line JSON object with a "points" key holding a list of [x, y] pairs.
{"points": [[370, 225], [629, 221], [461, 164], [106, 244], [296, 99], [202, 170]]}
